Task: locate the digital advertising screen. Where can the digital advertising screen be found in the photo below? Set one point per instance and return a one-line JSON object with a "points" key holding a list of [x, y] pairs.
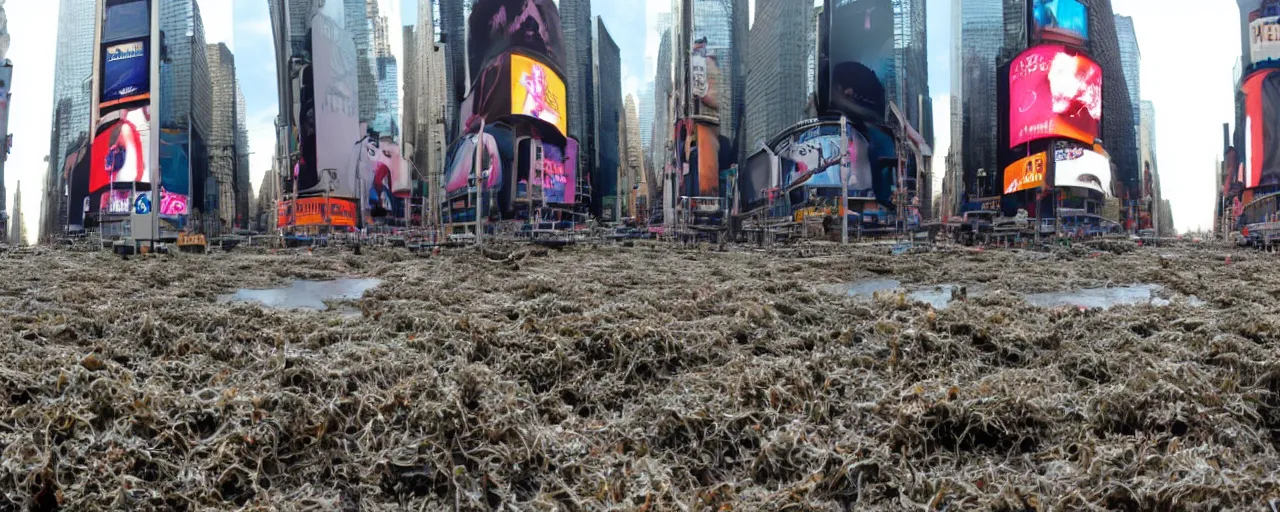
{"points": [[861, 56], [115, 201], [1054, 92], [557, 177], [389, 181], [813, 156], [120, 149], [1025, 174], [1063, 20], [1262, 128], [755, 178], [1082, 168], [175, 161], [173, 205], [464, 162], [318, 211], [126, 73], [538, 92], [125, 19], [500, 26], [333, 136], [706, 143], [1264, 42]]}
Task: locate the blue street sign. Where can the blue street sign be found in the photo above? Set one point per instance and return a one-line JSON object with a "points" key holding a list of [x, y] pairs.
{"points": [[143, 204]]}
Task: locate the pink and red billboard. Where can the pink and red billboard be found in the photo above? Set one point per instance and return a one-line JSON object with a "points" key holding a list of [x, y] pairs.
{"points": [[1054, 92]]}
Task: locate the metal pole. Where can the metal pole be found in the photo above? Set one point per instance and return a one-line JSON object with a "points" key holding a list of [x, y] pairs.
{"points": [[479, 185], [846, 164]]}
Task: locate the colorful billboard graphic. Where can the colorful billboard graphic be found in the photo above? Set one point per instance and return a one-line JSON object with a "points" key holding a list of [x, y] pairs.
{"points": [[1262, 129], [706, 143], [318, 211], [557, 177], [173, 205], [125, 20], [389, 176], [1264, 42], [1054, 93], [1079, 167], [126, 74], [813, 157], [500, 26], [861, 57], [120, 149], [538, 92], [461, 170], [115, 201], [1063, 20], [704, 71], [1025, 174], [332, 139]]}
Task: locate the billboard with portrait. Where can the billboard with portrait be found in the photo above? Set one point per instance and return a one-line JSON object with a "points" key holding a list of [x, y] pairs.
{"points": [[1054, 92], [388, 179], [1025, 174], [1262, 128], [1082, 168], [121, 151], [500, 26], [462, 167], [126, 73], [557, 176], [1060, 20], [861, 56], [538, 92], [332, 136]]}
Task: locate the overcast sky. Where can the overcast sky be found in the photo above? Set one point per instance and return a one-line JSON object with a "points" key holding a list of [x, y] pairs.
{"points": [[1190, 84]]}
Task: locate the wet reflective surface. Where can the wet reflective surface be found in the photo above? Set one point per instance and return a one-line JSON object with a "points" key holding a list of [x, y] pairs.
{"points": [[305, 294], [941, 296], [1100, 297]]}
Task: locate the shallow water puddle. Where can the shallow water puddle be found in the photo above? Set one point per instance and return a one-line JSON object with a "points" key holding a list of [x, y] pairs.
{"points": [[941, 296], [305, 294], [1104, 298]]}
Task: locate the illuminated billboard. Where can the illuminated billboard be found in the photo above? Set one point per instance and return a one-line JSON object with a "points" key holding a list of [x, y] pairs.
{"points": [[1082, 168], [331, 127], [1262, 129], [1054, 92], [558, 175], [538, 92], [460, 171], [121, 149], [115, 201], [1025, 174], [389, 179], [861, 56], [126, 74], [813, 156], [1264, 42], [318, 211], [500, 26], [1066, 20]]}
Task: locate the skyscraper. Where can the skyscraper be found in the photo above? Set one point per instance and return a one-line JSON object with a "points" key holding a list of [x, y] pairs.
{"points": [[777, 65], [632, 169], [73, 67], [646, 115], [357, 15], [714, 21], [432, 91], [186, 97], [410, 118], [909, 85], [578, 26], [659, 152], [1117, 131], [243, 191], [222, 136], [978, 36], [1130, 58], [453, 22], [605, 201]]}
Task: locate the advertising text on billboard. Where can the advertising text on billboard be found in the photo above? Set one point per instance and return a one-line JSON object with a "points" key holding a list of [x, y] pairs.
{"points": [[115, 201], [538, 92], [861, 57], [1054, 93], [126, 74], [1264, 42], [557, 176], [1025, 174], [1066, 20], [121, 151]]}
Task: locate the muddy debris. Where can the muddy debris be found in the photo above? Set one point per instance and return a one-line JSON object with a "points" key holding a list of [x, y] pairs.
{"points": [[613, 378]]}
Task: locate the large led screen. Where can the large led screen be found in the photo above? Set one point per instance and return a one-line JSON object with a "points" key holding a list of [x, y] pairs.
{"points": [[1264, 42], [175, 172], [1262, 129], [115, 201], [1060, 19], [813, 156], [499, 26], [1025, 174], [388, 178], [318, 211], [121, 149], [464, 162], [333, 136], [538, 92], [1081, 168], [861, 57], [127, 19], [557, 176], [1054, 93], [126, 73]]}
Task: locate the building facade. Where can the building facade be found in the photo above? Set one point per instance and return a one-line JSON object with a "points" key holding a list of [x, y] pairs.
{"points": [[1130, 57], [244, 192], [579, 27], [187, 99], [607, 79], [777, 69], [646, 115], [714, 20], [632, 167], [73, 68], [453, 22], [978, 35], [222, 135]]}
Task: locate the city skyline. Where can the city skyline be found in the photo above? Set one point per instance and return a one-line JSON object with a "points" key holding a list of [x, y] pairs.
{"points": [[246, 21]]}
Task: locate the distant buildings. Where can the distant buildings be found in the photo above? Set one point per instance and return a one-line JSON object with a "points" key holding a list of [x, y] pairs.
{"points": [[977, 38], [73, 65], [579, 28], [777, 66], [222, 135], [607, 66], [632, 169]]}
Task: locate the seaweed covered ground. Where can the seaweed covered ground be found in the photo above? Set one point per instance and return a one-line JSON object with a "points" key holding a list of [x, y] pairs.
{"points": [[639, 378]]}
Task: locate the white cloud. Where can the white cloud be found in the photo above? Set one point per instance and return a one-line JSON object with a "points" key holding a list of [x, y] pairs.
{"points": [[33, 27], [219, 22], [941, 139]]}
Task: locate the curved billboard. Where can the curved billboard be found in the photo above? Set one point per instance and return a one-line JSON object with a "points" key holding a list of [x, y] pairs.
{"points": [[860, 57], [120, 151], [1082, 168], [498, 26], [1262, 129], [1066, 20], [537, 91], [1025, 174], [1054, 92]]}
